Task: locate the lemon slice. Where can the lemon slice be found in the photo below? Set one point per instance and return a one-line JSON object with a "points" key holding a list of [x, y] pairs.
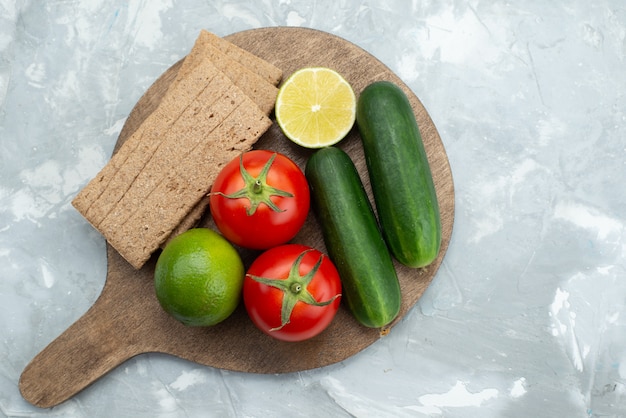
{"points": [[315, 107]]}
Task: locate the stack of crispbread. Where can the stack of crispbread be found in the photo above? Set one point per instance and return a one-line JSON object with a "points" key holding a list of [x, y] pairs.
{"points": [[154, 187]]}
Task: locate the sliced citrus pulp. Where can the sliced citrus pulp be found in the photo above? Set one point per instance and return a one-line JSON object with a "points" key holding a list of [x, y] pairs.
{"points": [[315, 107]]}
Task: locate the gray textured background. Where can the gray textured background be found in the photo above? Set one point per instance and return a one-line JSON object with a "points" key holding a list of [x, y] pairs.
{"points": [[525, 318]]}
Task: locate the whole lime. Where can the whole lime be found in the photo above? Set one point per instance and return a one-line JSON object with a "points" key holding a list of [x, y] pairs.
{"points": [[198, 277]]}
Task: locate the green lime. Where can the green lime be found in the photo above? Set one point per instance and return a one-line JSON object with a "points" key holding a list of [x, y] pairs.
{"points": [[199, 277]]}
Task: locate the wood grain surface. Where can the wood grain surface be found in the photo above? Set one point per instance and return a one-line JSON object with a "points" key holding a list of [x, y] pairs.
{"points": [[126, 320]]}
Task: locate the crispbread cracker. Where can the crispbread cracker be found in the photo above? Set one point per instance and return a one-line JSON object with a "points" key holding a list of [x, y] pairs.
{"points": [[258, 81], [258, 65], [185, 184], [183, 135], [261, 91], [190, 220], [169, 164], [132, 156]]}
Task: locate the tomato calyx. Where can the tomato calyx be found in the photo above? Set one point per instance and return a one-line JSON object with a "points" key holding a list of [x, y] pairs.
{"points": [[256, 189], [294, 288]]}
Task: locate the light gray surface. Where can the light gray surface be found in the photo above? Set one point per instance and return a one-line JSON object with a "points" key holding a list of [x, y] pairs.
{"points": [[525, 318]]}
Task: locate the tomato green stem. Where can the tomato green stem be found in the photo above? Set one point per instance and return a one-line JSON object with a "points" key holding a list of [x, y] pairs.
{"points": [[256, 189]]}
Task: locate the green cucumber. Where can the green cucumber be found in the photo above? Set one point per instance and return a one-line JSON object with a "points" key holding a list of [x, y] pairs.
{"points": [[402, 183], [353, 239]]}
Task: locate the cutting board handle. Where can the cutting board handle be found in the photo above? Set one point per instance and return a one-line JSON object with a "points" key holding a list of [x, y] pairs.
{"points": [[95, 344]]}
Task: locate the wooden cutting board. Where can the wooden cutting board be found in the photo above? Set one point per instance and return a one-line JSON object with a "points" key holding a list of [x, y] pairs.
{"points": [[126, 320]]}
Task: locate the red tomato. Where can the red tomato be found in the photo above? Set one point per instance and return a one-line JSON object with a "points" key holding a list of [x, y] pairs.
{"points": [[292, 292], [260, 199]]}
